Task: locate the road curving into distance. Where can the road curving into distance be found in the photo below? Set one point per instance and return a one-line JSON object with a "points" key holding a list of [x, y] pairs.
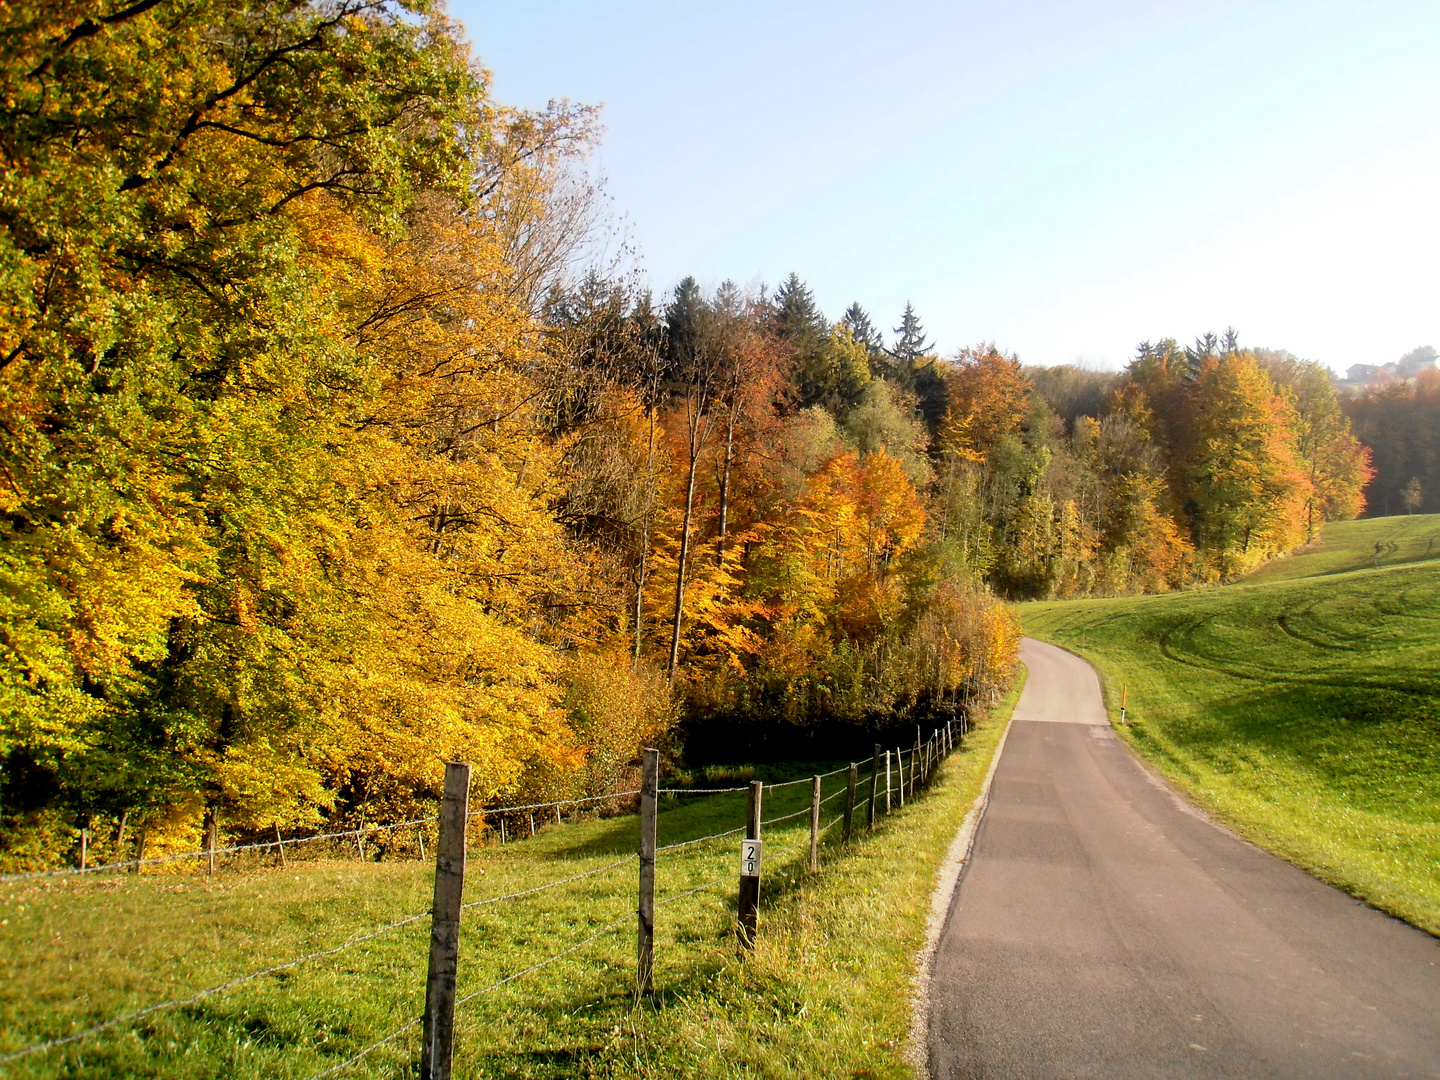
{"points": [[1104, 928]]}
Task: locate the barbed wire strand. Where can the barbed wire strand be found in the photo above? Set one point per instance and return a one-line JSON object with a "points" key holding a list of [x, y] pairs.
{"points": [[234, 849], [550, 960], [807, 779], [549, 885], [556, 802], [39, 1048], [786, 817], [690, 892], [700, 790], [333, 1069], [700, 839]]}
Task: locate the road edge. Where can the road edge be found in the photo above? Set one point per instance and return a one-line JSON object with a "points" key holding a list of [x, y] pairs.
{"points": [[917, 1051]]}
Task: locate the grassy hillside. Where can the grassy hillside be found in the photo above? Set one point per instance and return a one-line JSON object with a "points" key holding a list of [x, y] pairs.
{"points": [[1360, 545], [1301, 706], [824, 994]]}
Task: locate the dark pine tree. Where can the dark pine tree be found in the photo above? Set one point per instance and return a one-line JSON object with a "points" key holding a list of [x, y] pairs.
{"points": [[910, 344], [913, 367], [683, 316], [857, 321], [796, 313]]}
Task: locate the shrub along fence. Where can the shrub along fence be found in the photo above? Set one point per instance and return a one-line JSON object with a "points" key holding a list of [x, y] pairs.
{"points": [[889, 778]]}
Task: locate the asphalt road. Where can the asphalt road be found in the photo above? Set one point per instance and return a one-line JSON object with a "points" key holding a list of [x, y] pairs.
{"points": [[1104, 928]]}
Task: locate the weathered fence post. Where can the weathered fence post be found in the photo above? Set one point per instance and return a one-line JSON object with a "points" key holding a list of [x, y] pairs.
{"points": [[140, 840], [815, 826], [438, 1043], [280, 845], [557, 815], [874, 784], [887, 781], [750, 882], [532, 823], [645, 943], [360, 839], [84, 846], [851, 779], [212, 827], [420, 836], [900, 770], [917, 765], [502, 828]]}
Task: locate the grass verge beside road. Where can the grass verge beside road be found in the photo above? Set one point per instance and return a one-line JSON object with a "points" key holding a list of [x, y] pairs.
{"points": [[1301, 707], [826, 991]]}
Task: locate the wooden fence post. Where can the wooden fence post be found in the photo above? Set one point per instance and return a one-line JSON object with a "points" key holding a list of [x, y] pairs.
{"points": [[645, 942], [280, 845], [84, 846], [815, 826], [212, 827], [140, 840], [900, 771], [532, 823], [557, 815], [874, 784], [851, 779], [420, 836], [437, 1045], [750, 883], [917, 764], [502, 829], [360, 839], [887, 781]]}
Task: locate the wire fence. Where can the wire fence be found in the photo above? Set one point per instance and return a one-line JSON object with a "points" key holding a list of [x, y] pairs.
{"points": [[888, 775]]}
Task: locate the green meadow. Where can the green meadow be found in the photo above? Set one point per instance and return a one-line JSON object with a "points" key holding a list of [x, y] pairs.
{"points": [[826, 992], [1301, 706]]}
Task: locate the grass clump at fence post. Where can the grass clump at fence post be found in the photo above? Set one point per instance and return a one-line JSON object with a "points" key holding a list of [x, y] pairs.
{"points": [[1302, 708]]}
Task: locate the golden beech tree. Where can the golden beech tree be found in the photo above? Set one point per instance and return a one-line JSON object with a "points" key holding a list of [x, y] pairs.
{"points": [[988, 396], [1242, 475]]}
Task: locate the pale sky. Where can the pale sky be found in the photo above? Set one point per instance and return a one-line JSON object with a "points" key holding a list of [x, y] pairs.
{"points": [[1062, 177]]}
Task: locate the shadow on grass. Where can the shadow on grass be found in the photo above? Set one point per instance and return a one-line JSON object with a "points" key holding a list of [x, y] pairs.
{"points": [[1356, 738]]}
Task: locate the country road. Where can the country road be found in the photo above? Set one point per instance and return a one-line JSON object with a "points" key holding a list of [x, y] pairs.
{"points": [[1103, 928]]}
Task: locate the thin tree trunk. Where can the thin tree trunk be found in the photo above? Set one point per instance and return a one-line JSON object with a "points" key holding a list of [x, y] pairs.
{"points": [[684, 557], [725, 489], [645, 538]]}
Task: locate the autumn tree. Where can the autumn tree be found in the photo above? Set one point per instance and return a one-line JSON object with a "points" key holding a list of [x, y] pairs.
{"points": [[988, 397], [1400, 423], [1335, 462], [1246, 487]]}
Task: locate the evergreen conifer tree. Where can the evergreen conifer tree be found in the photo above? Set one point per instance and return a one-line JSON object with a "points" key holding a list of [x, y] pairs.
{"points": [[796, 313], [910, 343], [857, 320]]}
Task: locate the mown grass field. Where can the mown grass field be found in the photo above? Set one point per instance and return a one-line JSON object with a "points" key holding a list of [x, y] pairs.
{"points": [[825, 993], [1301, 706]]}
